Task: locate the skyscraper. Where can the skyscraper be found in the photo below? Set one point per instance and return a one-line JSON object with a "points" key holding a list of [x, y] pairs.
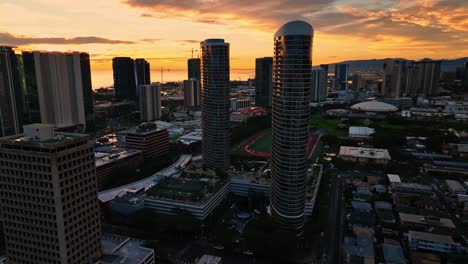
{"points": [[423, 78], [465, 77], [292, 84], [59, 84], [215, 103], [341, 76], [319, 85], [395, 74], [193, 68], [48, 197], [124, 78], [150, 102], [11, 107], [142, 74], [192, 93], [263, 81], [31, 95]]}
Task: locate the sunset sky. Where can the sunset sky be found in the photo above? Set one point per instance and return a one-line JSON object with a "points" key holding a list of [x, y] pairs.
{"points": [[165, 31]]}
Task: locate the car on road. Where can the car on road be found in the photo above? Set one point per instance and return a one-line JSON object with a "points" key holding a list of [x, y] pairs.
{"points": [[218, 247]]}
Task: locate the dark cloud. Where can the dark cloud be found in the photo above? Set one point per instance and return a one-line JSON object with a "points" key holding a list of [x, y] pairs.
{"points": [[188, 41], [19, 40], [146, 15]]}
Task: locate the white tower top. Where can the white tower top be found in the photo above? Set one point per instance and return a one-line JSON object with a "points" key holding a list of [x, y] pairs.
{"points": [[296, 27]]}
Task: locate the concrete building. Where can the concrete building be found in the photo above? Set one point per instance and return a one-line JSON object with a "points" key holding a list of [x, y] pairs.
{"points": [[193, 66], [209, 259], [361, 132], [432, 242], [49, 197], [11, 98], [341, 76], [153, 142], [394, 180], [292, 83], [426, 223], [239, 103], [124, 78], [150, 102], [192, 94], [215, 103], [142, 74], [455, 187], [319, 85], [242, 115], [365, 155], [124, 250], [423, 78], [59, 86], [394, 82], [263, 81]]}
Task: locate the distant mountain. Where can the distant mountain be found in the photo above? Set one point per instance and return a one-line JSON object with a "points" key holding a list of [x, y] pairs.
{"points": [[377, 64]]}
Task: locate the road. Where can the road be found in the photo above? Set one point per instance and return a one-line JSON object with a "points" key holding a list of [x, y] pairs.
{"points": [[336, 219]]}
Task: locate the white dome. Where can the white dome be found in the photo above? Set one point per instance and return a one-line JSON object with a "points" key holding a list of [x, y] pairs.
{"points": [[374, 106]]}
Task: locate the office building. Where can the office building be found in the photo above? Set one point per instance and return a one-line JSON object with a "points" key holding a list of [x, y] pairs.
{"points": [[432, 242], [125, 250], [292, 83], [423, 78], [365, 155], [110, 161], [341, 76], [215, 103], [11, 104], [142, 74], [152, 141], [150, 102], [192, 94], [49, 197], [394, 83], [263, 81], [58, 86], [193, 68], [124, 78], [239, 103], [319, 85]]}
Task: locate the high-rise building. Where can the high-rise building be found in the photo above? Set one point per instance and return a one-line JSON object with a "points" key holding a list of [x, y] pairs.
{"points": [[150, 102], [292, 84], [124, 78], [192, 93], [193, 68], [11, 104], [215, 103], [263, 81], [465, 76], [324, 66], [395, 74], [423, 78], [48, 195], [319, 85], [59, 86], [341, 76], [142, 74], [152, 141]]}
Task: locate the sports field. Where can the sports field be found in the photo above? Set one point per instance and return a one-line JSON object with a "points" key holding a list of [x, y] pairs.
{"points": [[263, 143]]}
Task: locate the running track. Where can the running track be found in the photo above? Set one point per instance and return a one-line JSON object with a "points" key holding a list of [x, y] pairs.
{"points": [[313, 139]]}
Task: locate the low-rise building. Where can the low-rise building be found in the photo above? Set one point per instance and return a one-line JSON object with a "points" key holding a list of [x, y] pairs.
{"points": [[152, 141], [358, 250], [108, 160], [365, 155], [426, 223], [237, 103], [242, 115], [209, 259], [394, 180], [124, 250], [432, 242], [413, 189], [393, 254], [384, 211], [360, 132], [455, 187]]}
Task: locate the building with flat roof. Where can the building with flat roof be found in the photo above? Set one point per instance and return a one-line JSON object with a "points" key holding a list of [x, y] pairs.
{"points": [[192, 94], [413, 189], [393, 254], [124, 250], [150, 102], [455, 187], [48, 196], [425, 223], [394, 180], [242, 115], [263, 81], [240, 103], [432, 242], [209, 259], [360, 132], [365, 155], [152, 141], [107, 162]]}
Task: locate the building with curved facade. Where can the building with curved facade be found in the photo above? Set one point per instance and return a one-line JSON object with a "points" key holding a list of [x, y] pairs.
{"points": [[292, 84], [215, 103]]}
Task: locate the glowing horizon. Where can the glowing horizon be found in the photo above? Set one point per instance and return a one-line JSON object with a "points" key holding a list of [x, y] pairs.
{"points": [[164, 31]]}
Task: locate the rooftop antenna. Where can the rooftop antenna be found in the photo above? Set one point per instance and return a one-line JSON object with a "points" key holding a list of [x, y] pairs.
{"points": [[194, 51]]}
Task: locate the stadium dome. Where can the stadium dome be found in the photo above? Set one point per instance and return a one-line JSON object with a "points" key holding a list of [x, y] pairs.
{"points": [[374, 106]]}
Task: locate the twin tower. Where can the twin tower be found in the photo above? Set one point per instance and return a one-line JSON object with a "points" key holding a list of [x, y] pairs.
{"points": [[291, 91]]}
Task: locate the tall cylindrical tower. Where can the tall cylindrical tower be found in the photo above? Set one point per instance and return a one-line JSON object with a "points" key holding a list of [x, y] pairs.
{"points": [[292, 83], [215, 103]]}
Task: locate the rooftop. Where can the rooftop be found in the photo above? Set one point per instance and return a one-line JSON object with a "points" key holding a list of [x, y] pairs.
{"points": [[374, 106], [421, 219], [296, 27], [361, 131], [209, 259], [393, 178], [431, 237], [393, 254], [117, 154], [123, 250], [369, 153]]}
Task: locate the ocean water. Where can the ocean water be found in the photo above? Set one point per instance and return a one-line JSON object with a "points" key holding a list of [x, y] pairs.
{"points": [[104, 78]]}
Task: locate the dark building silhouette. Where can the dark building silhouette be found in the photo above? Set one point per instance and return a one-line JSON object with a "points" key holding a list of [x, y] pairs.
{"points": [[341, 76], [142, 74], [124, 78], [193, 69], [263, 81], [87, 91], [11, 105], [32, 113], [215, 103]]}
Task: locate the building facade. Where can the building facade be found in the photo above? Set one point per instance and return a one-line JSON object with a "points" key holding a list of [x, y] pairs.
{"points": [[124, 78], [58, 86], [263, 81], [341, 76], [150, 102], [319, 85], [292, 82], [152, 141], [192, 93], [215, 103], [423, 78], [193, 65], [394, 82], [49, 197], [11, 103], [142, 74]]}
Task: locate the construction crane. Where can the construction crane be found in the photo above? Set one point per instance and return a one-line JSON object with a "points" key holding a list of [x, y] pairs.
{"points": [[162, 74], [193, 52]]}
